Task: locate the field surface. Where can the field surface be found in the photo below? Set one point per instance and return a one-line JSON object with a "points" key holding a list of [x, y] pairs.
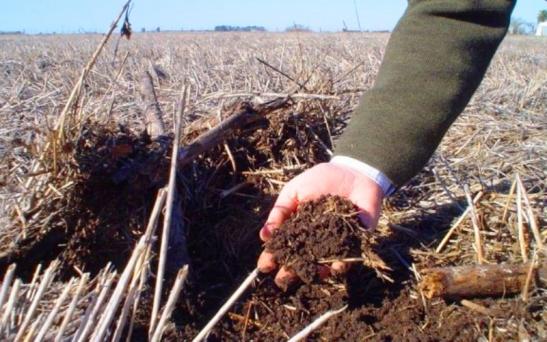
{"points": [[76, 197]]}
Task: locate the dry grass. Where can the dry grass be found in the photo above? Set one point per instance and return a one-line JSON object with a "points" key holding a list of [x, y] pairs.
{"points": [[500, 135]]}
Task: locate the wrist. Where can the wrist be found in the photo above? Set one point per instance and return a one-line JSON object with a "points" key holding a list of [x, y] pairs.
{"points": [[377, 176]]}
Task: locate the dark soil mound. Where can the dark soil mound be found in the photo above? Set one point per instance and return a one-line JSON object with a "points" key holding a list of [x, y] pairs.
{"points": [[105, 187]]}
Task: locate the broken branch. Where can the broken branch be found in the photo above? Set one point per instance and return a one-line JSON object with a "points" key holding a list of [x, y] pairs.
{"points": [[479, 280]]}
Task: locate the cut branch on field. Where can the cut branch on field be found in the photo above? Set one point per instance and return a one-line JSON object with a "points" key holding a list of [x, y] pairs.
{"points": [[480, 280]]}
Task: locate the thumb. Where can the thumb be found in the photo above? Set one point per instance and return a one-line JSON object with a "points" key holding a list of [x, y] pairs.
{"points": [[284, 206]]}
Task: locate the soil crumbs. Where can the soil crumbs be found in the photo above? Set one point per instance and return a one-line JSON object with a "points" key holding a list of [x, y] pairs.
{"points": [[323, 230], [378, 310]]}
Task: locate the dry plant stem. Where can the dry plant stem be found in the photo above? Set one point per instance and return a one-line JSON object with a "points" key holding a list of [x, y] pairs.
{"points": [[48, 277], [530, 213], [226, 306], [520, 225], [11, 303], [509, 198], [88, 325], [142, 245], [457, 223], [347, 260], [129, 299], [116, 297], [275, 95], [316, 324], [53, 313], [171, 193], [6, 282], [93, 297], [302, 86], [71, 308], [142, 280], [170, 305], [35, 276], [526, 288], [33, 328], [476, 307], [477, 280], [152, 223], [75, 94], [476, 229]]}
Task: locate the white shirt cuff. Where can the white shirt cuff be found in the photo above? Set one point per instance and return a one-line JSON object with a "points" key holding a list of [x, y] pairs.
{"points": [[376, 175]]}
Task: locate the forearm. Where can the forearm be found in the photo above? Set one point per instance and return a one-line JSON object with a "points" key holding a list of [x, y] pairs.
{"points": [[434, 62]]}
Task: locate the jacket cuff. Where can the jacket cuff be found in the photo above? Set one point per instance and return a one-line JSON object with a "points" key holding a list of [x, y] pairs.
{"points": [[376, 175]]}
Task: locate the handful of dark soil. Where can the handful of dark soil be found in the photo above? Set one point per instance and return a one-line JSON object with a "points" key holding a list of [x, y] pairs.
{"points": [[319, 233]]}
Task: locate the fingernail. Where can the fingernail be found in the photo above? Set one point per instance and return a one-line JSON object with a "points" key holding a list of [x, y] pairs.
{"points": [[265, 233]]}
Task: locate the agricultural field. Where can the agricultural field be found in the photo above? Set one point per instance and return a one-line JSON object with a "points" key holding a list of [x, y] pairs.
{"points": [[85, 176]]}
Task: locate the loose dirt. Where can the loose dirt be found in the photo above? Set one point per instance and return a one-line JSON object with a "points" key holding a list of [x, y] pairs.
{"points": [[323, 230], [378, 309]]}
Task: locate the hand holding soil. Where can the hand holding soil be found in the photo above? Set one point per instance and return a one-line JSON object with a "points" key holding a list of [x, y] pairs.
{"points": [[321, 180]]}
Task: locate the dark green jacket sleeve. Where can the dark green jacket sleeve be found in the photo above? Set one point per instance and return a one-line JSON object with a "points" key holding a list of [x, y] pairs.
{"points": [[434, 62]]}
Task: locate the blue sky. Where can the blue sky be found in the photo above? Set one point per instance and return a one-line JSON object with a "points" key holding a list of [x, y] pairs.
{"points": [[66, 16]]}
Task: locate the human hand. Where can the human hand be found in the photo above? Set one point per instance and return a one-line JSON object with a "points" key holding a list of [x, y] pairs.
{"points": [[320, 180]]}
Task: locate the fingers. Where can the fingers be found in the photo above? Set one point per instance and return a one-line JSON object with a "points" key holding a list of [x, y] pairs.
{"points": [[285, 278], [369, 204], [284, 206], [339, 267], [266, 262]]}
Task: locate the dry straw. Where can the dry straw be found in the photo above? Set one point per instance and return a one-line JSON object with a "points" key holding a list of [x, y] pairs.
{"points": [[501, 135]]}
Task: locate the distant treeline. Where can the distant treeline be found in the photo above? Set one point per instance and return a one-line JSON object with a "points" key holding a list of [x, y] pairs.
{"points": [[228, 28], [11, 32]]}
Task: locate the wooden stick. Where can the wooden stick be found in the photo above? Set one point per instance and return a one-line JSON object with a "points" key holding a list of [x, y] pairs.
{"points": [[478, 280], [458, 223], [171, 193], [476, 229], [170, 305], [152, 110], [316, 324], [207, 329]]}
